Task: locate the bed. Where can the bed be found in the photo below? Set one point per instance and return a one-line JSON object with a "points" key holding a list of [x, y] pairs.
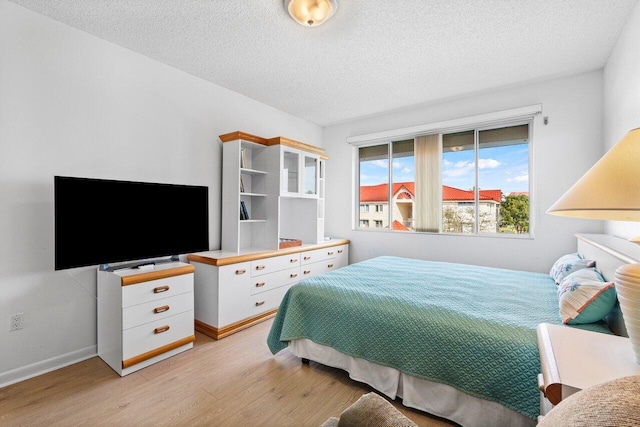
{"points": [[457, 341]]}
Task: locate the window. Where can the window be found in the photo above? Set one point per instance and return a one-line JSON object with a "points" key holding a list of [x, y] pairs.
{"points": [[364, 207], [466, 181], [364, 223]]}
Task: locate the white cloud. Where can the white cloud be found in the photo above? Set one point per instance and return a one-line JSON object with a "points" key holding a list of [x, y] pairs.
{"points": [[380, 163], [406, 170], [488, 163], [519, 178], [455, 173]]}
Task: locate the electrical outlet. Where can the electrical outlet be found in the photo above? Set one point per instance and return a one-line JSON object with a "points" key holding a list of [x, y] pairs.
{"points": [[16, 322]]}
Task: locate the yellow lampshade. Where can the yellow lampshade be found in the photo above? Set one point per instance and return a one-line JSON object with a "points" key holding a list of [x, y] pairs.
{"points": [[610, 189], [310, 13]]}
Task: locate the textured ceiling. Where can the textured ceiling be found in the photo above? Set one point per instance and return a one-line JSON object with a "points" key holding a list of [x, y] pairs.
{"points": [[373, 56]]}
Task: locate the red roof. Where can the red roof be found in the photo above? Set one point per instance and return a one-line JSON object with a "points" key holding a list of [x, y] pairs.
{"points": [[519, 193], [397, 225], [379, 193]]}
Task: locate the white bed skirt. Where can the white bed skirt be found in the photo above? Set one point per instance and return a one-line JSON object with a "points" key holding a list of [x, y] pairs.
{"points": [[435, 398]]}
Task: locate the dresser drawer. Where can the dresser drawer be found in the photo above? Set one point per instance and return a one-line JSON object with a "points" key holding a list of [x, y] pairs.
{"points": [[136, 315], [274, 280], [318, 255], [269, 265], [147, 337], [266, 301], [342, 256], [310, 270], [156, 289]]}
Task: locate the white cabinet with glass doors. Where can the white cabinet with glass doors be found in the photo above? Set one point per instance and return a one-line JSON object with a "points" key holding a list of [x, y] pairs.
{"points": [[272, 189], [300, 172]]}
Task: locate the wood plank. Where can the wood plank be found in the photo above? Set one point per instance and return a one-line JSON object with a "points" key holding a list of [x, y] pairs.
{"points": [[203, 258], [231, 382], [156, 275], [232, 136], [281, 140]]}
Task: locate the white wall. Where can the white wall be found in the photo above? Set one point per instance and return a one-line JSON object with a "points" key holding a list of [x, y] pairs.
{"points": [[72, 104], [622, 100], [562, 151]]}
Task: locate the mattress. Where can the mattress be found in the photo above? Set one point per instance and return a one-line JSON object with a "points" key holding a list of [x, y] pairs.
{"points": [[468, 327]]}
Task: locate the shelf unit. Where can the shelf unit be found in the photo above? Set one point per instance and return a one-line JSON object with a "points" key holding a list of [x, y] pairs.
{"points": [[245, 180], [280, 182]]}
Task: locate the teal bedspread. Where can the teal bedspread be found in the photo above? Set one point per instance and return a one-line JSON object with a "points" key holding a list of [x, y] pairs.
{"points": [[471, 327]]}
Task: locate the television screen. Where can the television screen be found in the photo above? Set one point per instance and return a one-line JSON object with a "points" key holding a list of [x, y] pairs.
{"points": [[100, 221]]}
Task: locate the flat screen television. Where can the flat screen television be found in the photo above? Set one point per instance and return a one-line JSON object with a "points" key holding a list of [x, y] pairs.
{"points": [[100, 221]]}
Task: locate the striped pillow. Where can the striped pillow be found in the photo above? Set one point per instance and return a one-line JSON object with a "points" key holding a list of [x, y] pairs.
{"points": [[585, 297]]}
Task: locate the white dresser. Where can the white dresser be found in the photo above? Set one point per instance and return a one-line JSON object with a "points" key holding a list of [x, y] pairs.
{"points": [[144, 316], [236, 290]]}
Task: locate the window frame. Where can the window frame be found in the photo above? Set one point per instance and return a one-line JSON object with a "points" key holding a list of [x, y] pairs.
{"points": [[519, 116]]}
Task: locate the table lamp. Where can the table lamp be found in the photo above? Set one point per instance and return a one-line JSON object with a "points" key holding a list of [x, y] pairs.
{"points": [[610, 190]]}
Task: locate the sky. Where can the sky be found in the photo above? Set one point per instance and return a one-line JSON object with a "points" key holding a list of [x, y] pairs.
{"points": [[501, 168]]}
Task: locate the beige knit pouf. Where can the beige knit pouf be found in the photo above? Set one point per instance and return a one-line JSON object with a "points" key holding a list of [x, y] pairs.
{"points": [[370, 410], [614, 403]]}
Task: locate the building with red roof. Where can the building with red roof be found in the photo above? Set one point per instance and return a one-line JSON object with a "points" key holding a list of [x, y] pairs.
{"points": [[457, 207]]}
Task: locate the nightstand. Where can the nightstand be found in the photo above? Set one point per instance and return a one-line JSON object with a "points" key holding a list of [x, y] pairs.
{"points": [[573, 359]]}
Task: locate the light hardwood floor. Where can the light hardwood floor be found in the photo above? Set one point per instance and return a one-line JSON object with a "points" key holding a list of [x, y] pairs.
{"points": [[232, 382]]}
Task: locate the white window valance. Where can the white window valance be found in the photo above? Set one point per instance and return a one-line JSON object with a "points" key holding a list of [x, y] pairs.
{"points": [[448, 125]]}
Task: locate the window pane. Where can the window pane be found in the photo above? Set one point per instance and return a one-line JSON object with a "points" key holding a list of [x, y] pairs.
{"points": [[458, 183], [503, 179], [374, 185], [403, 190], [472, 181]]}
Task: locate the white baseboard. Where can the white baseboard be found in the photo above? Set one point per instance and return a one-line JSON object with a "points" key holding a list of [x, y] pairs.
{"points": [[39, 368]]}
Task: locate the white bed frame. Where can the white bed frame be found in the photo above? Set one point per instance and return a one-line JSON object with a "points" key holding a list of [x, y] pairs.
{"points": [[445, 401]]}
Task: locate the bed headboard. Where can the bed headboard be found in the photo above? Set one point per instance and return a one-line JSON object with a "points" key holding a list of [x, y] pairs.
{"points": [[610, 253]]}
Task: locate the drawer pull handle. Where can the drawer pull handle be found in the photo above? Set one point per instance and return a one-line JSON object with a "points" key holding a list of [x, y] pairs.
{"points": [[259, 284], [292, 275], [260, 267], [241, 271], [292, 260], [161, 309], [160, 289], [330, 266], [259, 303], [307, 258], [161, 329], [307, 271], [340, 251], [330, 253]]}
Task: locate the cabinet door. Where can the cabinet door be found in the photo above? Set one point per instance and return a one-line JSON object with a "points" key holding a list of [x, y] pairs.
{"points": [[310, 176], [233, 292], [290, 173]]}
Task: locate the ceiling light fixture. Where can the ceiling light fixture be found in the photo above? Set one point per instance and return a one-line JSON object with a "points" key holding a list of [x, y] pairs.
{"points": [[311, 13]]}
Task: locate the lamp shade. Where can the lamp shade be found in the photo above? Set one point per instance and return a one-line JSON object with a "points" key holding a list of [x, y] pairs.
{"points": [[610, 190], [310, 13]]}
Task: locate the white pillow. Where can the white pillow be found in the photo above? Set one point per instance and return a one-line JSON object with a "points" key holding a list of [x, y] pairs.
{"points": [[585, 297], [567, 264]]}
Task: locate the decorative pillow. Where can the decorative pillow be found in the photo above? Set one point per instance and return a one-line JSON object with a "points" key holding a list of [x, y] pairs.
{"points": [[567, 264], [585, 297]]}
